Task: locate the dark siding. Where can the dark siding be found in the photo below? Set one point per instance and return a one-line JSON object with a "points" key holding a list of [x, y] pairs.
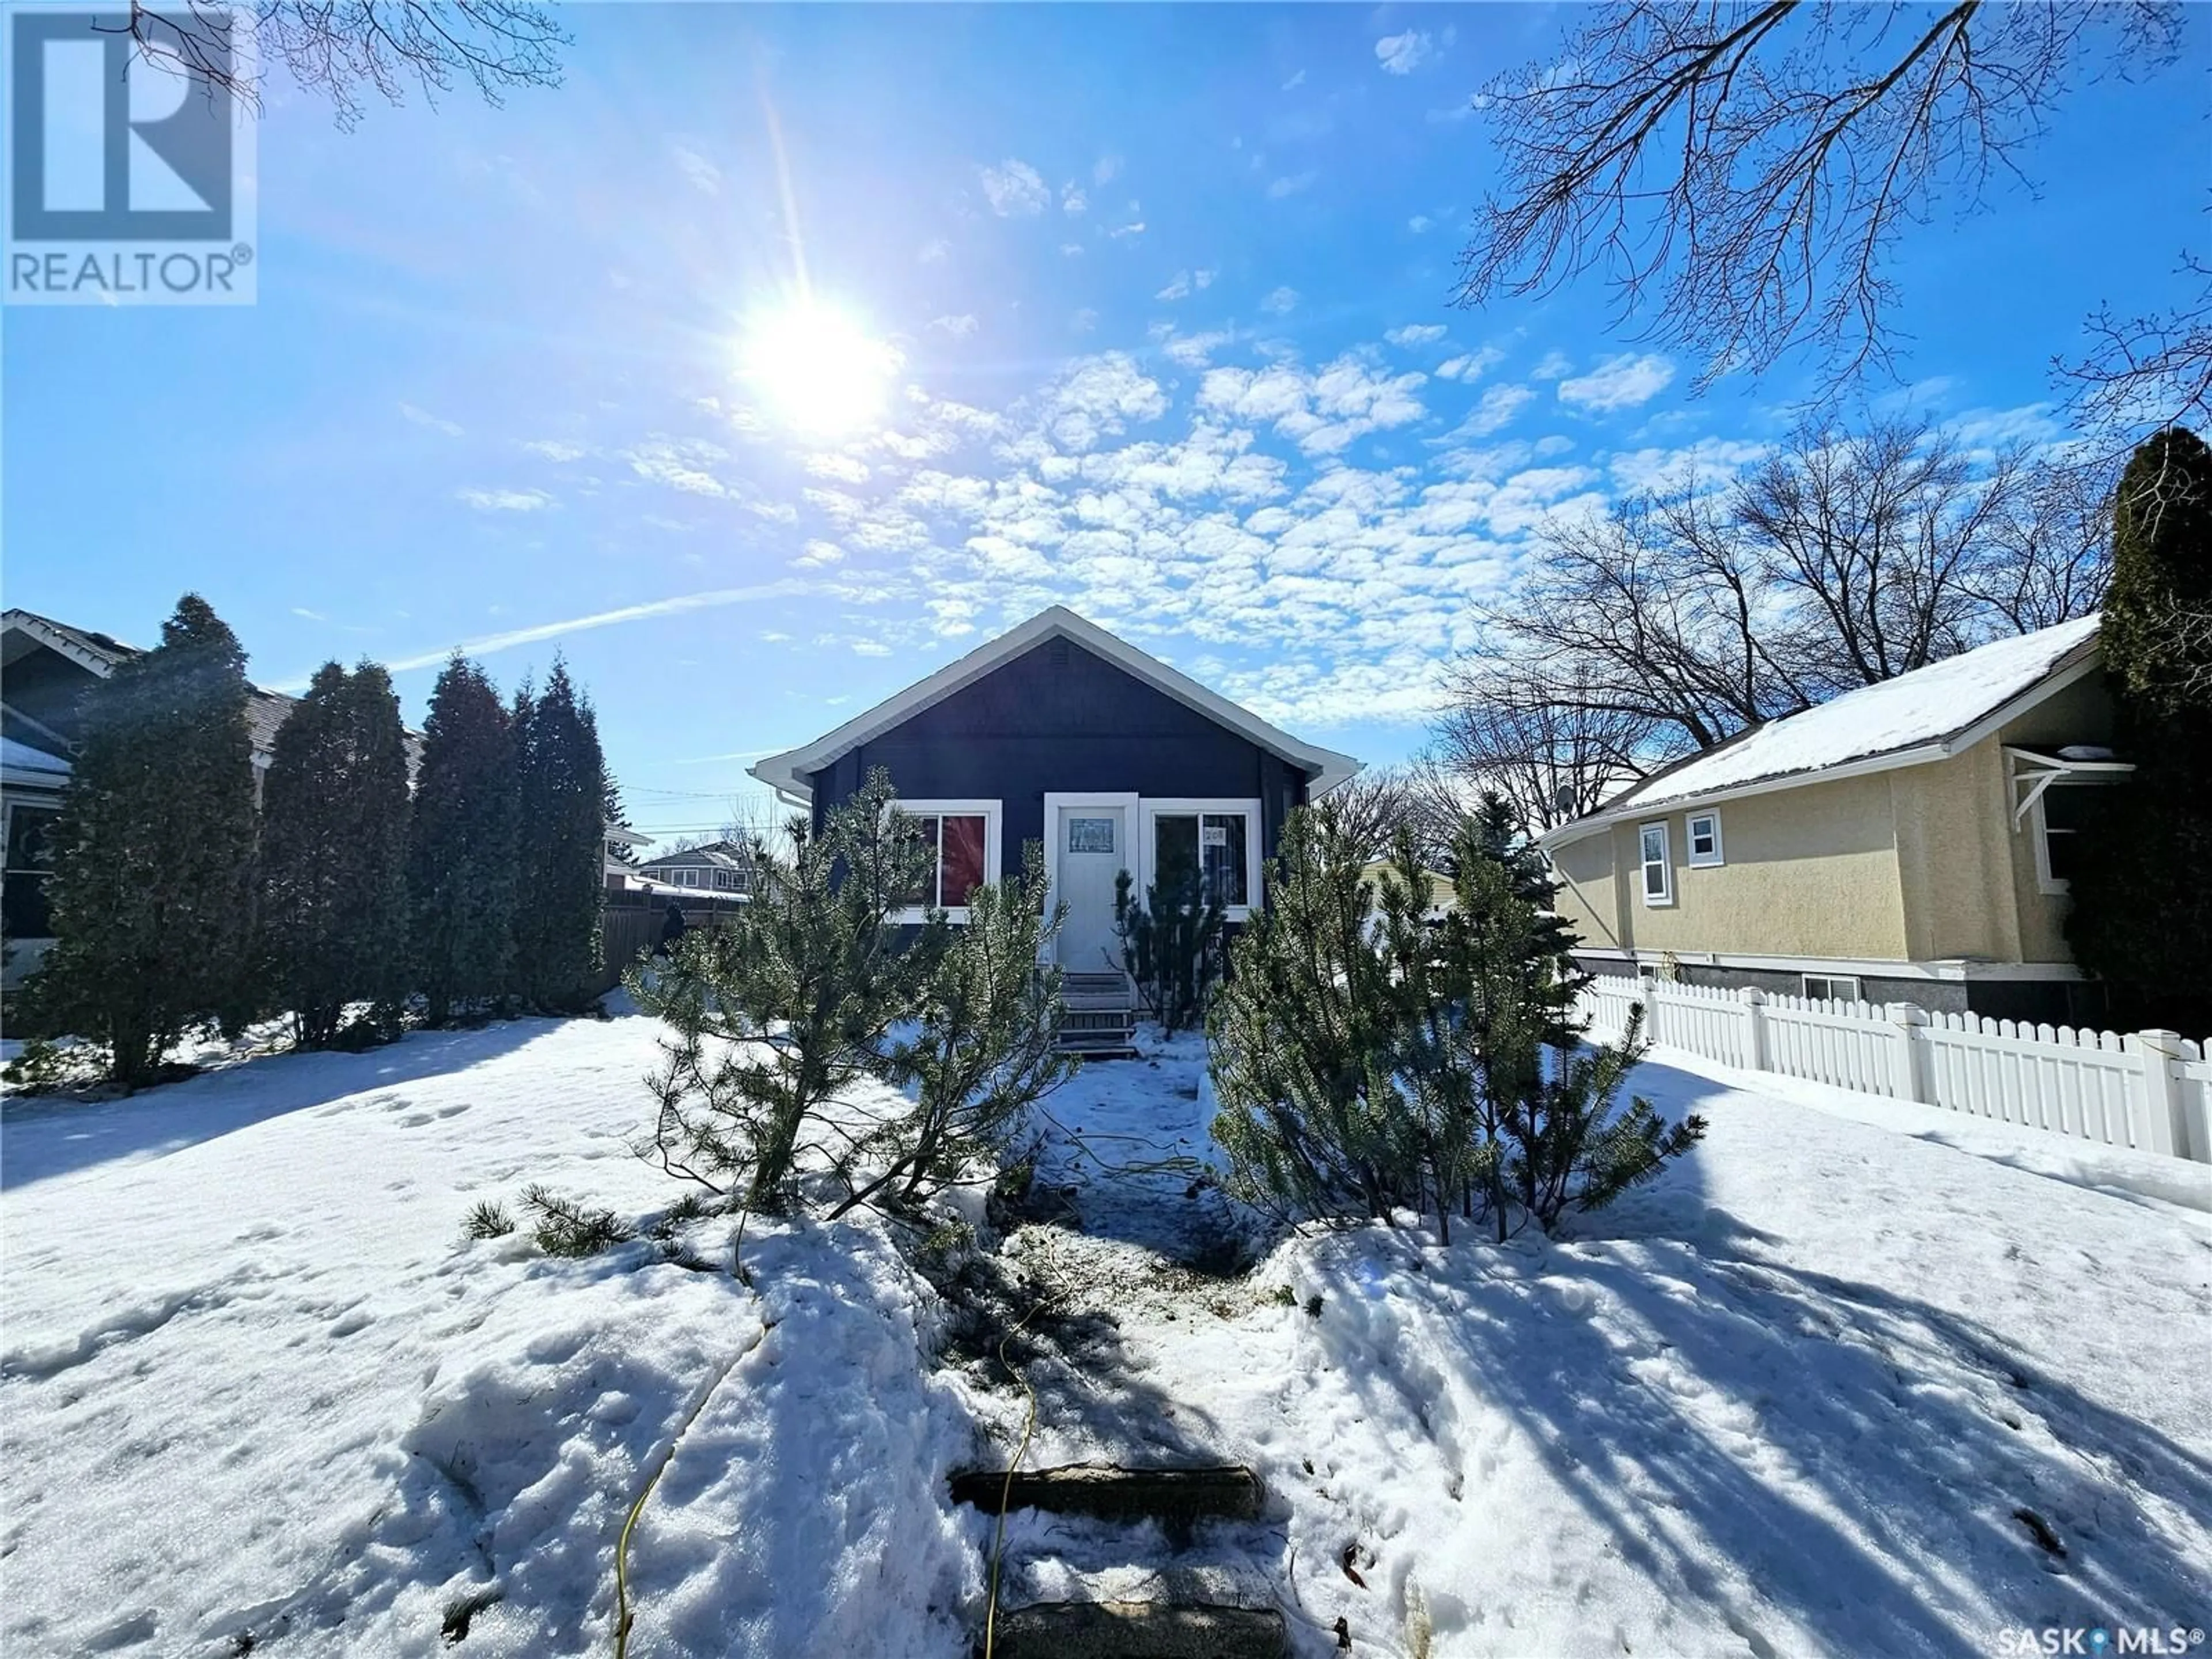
{"points": [[1058, 719]]}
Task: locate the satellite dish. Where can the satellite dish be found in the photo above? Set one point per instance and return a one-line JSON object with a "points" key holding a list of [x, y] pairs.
{"points": [[1563, 798]]}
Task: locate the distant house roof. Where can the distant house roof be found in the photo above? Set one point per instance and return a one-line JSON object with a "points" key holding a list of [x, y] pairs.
{"points": [[719, 854], [789, 771], [1929, 715], [100, 654]]}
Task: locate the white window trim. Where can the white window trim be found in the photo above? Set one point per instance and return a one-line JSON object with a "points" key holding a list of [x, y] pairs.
{"points": [[991, 812], [1711, 861], [1185, 806], [1665, 898], [1805, 988]]}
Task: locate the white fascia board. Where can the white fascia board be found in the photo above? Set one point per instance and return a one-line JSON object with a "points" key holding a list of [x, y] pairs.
{"points": [[1919, 754]]}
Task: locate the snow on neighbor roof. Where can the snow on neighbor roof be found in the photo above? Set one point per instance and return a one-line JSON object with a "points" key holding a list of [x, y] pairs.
{"points": [[788, 772], [21, 758], [1915, 717]]}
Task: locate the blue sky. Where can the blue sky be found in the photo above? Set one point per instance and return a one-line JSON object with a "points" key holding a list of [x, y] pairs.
{"points": [[1155, 301]]}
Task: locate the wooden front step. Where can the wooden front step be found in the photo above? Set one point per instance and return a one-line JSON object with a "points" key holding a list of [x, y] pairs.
{"points": [[1099, 1014], [1178, 1495], [1138, 1630]]}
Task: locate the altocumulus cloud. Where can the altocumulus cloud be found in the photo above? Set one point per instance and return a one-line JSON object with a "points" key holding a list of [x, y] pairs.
{"points": [[1014, 189], [1622, 382]]}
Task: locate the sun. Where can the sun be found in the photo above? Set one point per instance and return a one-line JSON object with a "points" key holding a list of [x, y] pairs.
{"points": [[816, 368]]}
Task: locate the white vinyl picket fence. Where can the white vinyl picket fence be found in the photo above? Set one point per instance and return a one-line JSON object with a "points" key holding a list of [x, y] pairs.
{"points": [[2151, 1090]]}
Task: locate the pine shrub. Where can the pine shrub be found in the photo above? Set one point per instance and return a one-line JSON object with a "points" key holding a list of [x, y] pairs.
{"points": [[983, 1050], [486, 1219], [566, 1227], [775, 1016], [1172, 944], [1370, 1057]]}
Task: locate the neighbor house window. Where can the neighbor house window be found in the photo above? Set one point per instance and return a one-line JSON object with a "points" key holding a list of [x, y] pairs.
{"points": [[1213, 848], [1833, 987], [2061, 813], [30, 862], [1658, 869], [1702, 831], [730, 881], [963, 839], [687, 876]]}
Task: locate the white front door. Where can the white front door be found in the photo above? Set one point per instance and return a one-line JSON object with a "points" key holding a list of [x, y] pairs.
{"points": [[1090, 847]]}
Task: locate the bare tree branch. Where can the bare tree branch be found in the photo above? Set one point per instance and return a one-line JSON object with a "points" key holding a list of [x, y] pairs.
{"points": [[341, 48], [1685, 615], [1739, 171]]}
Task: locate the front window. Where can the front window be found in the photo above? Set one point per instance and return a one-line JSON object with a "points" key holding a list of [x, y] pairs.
{"points": [[1658, 871], [960, 839], [1209, 848], [30, 861]]}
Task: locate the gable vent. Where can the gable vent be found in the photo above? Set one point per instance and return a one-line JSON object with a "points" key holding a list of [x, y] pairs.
{"points": [[1055, 651]]}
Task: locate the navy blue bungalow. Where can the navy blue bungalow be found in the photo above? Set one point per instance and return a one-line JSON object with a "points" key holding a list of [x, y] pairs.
{"points": [[1059, 732]]}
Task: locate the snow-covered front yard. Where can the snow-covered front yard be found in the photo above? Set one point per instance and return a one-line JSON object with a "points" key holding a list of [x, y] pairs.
{"points": [[1798, 1397]]}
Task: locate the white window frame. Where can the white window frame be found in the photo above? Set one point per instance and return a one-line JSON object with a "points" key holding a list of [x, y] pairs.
{"points": [[991, 812], [2040, 825], [1805, 988], [1175, 807], [1665, 899], [1696, 861]]}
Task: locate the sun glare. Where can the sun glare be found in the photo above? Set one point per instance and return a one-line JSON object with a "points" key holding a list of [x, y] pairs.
{"points": [[816, 369]]}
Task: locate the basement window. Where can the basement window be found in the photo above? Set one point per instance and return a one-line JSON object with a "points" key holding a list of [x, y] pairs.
{"points": [[1833, 987]]}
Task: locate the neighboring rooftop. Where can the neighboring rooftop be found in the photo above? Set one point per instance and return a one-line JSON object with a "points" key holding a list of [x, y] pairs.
{"points": [[100, 653], [1923, 715]]}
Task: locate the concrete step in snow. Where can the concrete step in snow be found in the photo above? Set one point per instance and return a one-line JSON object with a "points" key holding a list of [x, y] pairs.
{"points": [[1177, 1496], [1140, 1630]]}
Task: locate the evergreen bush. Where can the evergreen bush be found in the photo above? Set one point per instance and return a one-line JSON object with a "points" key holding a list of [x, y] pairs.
{"points": [[1172, 944], [463, 847], [983, 1050], [561, 788], [775, 1016], [153, 884], [334, 857], [2140, 905], [1370, 1056]]}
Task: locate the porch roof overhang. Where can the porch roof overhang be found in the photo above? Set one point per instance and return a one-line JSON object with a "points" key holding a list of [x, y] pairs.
{"points": [[789, 773]]}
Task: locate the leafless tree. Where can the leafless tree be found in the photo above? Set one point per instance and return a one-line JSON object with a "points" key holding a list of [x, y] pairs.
{"points": [[2146, 372], [2052, 538], [342, 48], [1874, 541], [1549, 744], [1740, 169], [1684, 616]]}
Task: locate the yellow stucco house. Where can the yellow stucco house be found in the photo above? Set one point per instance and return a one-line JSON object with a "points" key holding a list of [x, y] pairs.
{"points": [[1907, 842]]}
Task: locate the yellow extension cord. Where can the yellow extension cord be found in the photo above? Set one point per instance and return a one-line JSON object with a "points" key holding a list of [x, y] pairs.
{"points": [[623, 1614], [1006, 1492]]}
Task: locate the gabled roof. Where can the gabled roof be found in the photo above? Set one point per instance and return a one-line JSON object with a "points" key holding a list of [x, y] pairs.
{"points": [[1929, 715], [788, 772], [100, 654]]}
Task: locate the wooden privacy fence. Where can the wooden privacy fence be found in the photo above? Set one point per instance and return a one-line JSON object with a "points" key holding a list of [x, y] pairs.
{"points": [[626, 931], [2151, 1090]]}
